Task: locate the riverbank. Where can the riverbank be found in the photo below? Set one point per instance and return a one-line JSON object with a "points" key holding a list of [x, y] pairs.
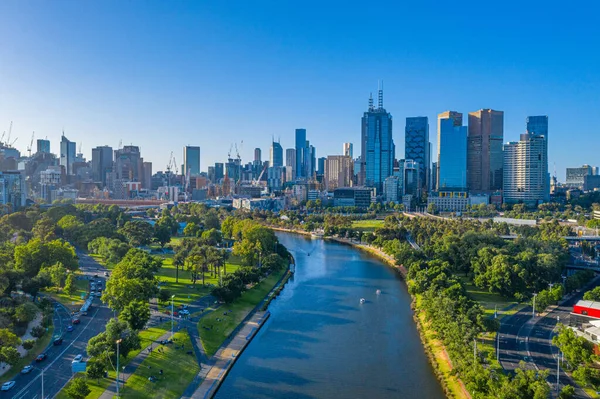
{"points": [[433, 347]]}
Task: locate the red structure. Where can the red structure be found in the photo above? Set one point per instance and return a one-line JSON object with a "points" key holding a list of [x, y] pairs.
{"points": [[587, 308]]}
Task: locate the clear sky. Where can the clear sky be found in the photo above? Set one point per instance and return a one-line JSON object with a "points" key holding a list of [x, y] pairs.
{"points": [[163, 74]]}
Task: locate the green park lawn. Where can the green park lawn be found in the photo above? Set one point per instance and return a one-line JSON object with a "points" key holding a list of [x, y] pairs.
{"points": [[98, 387], [220, 330], [488, 300], [185, 292], [367, 225], [179, 369], [40, 345], [71, 301], [101, 260]]}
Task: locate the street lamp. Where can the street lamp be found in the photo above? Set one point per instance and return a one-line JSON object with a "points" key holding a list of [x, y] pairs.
{"points": [[118, 342], [534, 295], [172, 297]]}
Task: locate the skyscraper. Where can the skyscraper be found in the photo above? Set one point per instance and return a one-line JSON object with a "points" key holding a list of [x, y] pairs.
{"points": [[67, 154], [301, 153], [146, 179], [417, 147], [537, 125], [526, 176], [338, 171], [43, 146], [484, 150], [128, 163], [377, 145], [276, 155], [290, 164], [191, 161], [321, 165], [452, 152], [102, 163], [257, 155], [219, 171], [348, 150]]}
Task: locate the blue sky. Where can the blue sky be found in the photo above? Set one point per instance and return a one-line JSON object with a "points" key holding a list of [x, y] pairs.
{"points": [[165, 74]]}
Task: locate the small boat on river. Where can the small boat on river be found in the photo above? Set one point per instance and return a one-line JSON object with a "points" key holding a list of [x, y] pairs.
{"points": [[378, 292], [362, 300]]}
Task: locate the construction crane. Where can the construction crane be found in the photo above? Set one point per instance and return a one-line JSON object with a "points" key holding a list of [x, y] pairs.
{"points": [[80, 145], [31, 144], [9, 132], [256, 182], [2, 138], [120, 144], [229, 152]]}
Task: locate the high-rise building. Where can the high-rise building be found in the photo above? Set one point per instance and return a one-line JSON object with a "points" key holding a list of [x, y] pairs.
{"points": [[276, 155], [348, 150], [377, 145], [434, 174], [452, 152], [411, 178], [301, 155], [67, 154], [128, 163], [290, 163], [219, 171], [526, 178], [211, 174], [191, 161], [321, 165], [258, 155], [576, 176], [13, 189], [537, 125], [147, 175], [391, 189], [417, 146], [43, 146], [484, 150], [338, 171], [102, 163]]}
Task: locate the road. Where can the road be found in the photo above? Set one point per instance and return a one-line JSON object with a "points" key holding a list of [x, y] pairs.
{"points": [[57, 367], [523, 338]]}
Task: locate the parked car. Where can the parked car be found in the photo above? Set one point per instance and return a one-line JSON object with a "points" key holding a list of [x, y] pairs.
{"points": [[42, 356], [7, 386], [70, 328], [76, 321], [77, 359], [26, 369], [58, 341], [106, 274]]}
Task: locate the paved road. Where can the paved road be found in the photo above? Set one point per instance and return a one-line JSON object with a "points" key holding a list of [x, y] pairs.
{"points": [[57, 367], [523, 338]]}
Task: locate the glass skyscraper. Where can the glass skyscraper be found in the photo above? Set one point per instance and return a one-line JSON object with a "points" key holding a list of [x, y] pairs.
{"points": [[276, 155], [417, 147], [484, 150], [191, 160], [67, 154], [300, 153], [377, 145], [452, 152], [537, 125]]}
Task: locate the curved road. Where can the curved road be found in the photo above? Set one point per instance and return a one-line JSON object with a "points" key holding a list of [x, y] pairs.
{"points": [[57, 367]]}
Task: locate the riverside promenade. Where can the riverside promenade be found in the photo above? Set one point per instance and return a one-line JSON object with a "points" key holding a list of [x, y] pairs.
{"points": [[226, 356]]}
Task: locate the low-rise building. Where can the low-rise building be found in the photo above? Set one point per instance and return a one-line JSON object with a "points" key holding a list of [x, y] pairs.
{"points": [[359, 197], [449, 201]]}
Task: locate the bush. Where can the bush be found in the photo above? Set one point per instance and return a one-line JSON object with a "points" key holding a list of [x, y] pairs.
{"points": [[38, 331], [28, 344]]}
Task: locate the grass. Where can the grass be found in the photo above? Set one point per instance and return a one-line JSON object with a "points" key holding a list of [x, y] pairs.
{"points": [[488, 300], [220, 330], [74, 301], [98, 387], [101, 260], [40, 345], [367, 225], [179, 369], [185, 292]]}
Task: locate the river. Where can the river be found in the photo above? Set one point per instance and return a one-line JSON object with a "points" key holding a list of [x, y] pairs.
{"points": [[320, 342]]}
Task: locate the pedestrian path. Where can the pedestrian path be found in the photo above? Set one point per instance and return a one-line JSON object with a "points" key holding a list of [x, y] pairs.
{"points": [[226, 356]]}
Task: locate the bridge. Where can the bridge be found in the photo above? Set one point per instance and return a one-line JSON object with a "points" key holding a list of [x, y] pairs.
{"points": [[568, 238]]}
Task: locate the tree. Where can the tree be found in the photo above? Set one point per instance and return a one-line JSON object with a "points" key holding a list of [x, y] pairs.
{"points": [[70, 225], [95, 370], [78, 389], [26, 312], [137, 232], [28, 344], [70, 285], [10, 355], [164, 295], [8, 338], [44, 229], [191, 230], [136, 314], [568, 392], [103, 346], [592, 295], [162, 235], [58, 274]]}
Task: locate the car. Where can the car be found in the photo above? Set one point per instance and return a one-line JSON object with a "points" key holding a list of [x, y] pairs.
{"points": [[77, 359], [42, 356], [99, 290], [106, 274], [70, 328], [96, 275], [184, 312], [7, 386], [58, 341], [26, 369], [76, 321]]}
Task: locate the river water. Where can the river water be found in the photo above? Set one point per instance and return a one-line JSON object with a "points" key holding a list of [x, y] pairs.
{"points": [[320, 342]]}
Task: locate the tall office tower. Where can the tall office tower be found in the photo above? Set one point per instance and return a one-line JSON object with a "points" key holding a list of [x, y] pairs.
{"points": [[321, 165], [290, 163], [537, 125], [301, 153], [452, 152], [147, 175], [434, 174], [128, 163], [211, 174], [348, 150], [191, 161], [102, 163], [67, 154], [43, 146], [417, 147], [219, 171], [257, 155], [526, 176], [576, 176], [484, 150], [276, 155], [411, 182], [338, 171], [377, 145], [311, 167]]}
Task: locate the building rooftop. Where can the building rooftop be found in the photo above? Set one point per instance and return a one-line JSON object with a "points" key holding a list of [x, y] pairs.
{"points": [[588, 304]]}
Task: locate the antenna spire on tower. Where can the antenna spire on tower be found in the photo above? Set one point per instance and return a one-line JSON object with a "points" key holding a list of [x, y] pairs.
{"points": [[370, 101], [380, 96]]}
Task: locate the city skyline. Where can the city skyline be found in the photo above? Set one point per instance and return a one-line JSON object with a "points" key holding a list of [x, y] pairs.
{"points": [[238, 67]]}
